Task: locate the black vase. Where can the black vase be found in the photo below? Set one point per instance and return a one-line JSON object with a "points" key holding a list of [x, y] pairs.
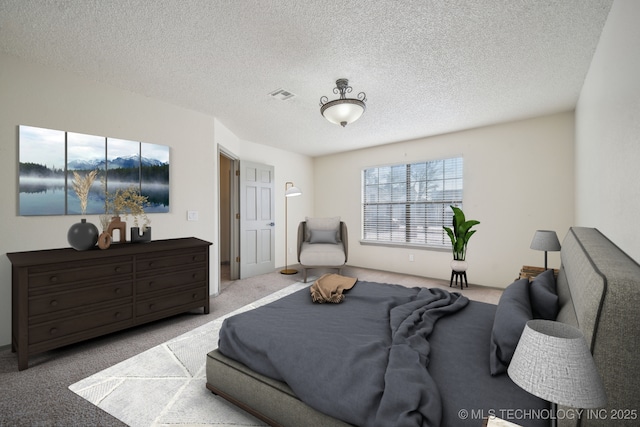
{"points": [[82, 235], [136, 237]]}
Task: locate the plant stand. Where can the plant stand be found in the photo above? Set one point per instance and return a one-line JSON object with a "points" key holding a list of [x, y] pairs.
{"points": [[462, 275]]}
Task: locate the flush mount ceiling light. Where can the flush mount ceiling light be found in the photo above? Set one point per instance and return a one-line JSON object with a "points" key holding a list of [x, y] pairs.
{"points": [[343, 110]]}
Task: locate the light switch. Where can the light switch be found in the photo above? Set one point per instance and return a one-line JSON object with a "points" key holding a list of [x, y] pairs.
{"points": [[192, 215]]}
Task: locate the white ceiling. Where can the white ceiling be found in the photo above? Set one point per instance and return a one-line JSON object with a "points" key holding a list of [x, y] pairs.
{"points": [[427, 67]]}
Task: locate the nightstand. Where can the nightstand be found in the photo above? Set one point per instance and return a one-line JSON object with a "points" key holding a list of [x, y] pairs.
{"points": [[530, 272], [498, 422]]}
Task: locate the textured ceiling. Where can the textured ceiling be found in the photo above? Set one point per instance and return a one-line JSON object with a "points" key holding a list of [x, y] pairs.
{"points": [[427, 67]]}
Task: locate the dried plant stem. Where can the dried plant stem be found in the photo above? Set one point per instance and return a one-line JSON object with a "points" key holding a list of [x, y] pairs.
{"points": [[129, 202], [82, 185]]}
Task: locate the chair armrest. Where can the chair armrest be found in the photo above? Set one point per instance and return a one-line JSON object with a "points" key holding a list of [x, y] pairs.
{"points": [[301, 230], [344, 236]]}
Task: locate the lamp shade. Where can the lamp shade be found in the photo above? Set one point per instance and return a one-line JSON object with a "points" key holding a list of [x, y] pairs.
{"points": [[545, 240], [552, 361], [343, 111], [292, 192]]}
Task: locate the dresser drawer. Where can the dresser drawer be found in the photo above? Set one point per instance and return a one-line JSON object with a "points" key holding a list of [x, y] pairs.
{"points": [[53, 302], [78, 272], [170, 280], [71, 325], [150, 263], [186, 296]]}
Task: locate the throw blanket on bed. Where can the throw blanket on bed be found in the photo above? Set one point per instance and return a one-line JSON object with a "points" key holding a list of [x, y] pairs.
{"points": [[363, 361], [329, 288]]}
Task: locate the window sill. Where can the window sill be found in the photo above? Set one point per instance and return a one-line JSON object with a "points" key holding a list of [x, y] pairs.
{"points": [[405, 245]]}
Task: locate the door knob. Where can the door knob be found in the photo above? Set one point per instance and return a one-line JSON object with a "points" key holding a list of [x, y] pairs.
{"points": [[271, 224]]}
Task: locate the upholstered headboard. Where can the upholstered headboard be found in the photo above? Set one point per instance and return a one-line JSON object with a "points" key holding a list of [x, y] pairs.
{"points": [[599, 290]]}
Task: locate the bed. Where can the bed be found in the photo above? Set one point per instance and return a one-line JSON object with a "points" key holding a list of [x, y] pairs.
{"points": [[325, 365]]}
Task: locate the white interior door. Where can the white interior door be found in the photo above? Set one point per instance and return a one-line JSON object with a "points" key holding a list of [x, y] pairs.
{"points": [[257, 219]]}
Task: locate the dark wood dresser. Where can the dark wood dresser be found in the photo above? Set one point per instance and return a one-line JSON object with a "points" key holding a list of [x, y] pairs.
{"points": [[62, 296]]}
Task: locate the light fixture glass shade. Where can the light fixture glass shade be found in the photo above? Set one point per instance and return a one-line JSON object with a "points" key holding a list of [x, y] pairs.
{"points": [[292, 192], [343, 111], [545, 240], [552, 361]]}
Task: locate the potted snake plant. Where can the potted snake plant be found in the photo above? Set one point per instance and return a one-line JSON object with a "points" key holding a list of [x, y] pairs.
{"points": [[460, 234]]}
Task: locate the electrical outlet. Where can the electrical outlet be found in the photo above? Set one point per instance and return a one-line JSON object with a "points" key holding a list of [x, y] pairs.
{"points": [[192, 215], [410, 257]]}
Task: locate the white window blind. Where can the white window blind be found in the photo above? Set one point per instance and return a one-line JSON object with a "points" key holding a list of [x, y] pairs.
{"points": [[410, 203]]}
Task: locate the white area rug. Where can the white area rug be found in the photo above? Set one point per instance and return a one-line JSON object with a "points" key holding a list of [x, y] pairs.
{"points": [[165, 385]]}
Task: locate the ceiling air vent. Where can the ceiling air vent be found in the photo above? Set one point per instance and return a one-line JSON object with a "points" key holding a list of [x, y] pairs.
{"points": [[282, 94]]}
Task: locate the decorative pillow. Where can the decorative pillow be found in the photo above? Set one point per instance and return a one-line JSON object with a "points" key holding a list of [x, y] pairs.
{"points": [[544, 296], [322, 224], [323, 236], [512, 314]]}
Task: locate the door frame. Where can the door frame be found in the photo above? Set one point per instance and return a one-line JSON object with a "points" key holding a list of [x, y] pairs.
{"points": [[234, 211]]}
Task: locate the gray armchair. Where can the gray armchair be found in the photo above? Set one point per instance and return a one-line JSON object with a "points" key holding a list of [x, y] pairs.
{"points": [[322, 243]]}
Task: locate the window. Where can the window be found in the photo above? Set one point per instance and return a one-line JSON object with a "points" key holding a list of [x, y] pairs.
{"points": [[409, 204]]}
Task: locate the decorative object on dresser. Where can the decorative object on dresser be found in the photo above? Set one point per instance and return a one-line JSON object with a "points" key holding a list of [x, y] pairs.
{"points": [[127, 202], [459, 233], [553, 361], [138, 236], [290, 190], [545, 240], [62, 296], [117, 223], [105, 238], [83, 235]]}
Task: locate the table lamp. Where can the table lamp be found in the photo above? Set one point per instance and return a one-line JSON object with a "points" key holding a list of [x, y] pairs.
{"points": [[545, 240], [552, 361]]}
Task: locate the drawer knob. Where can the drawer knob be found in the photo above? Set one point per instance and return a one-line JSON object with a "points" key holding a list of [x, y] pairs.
{"points": [[194, 275], [54, 303], [151, 263], [116, 315], [53, 331], [118, 291], [151, 284], [118, 269], [53, 278], [194, 296], [151, 306]]}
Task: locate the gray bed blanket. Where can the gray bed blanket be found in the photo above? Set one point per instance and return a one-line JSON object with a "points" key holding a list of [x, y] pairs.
{"points": [[362, 361]]}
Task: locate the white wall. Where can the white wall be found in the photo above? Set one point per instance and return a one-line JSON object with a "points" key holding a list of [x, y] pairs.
{"points": [[39, 96], [608, 133], [518, 177]]}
